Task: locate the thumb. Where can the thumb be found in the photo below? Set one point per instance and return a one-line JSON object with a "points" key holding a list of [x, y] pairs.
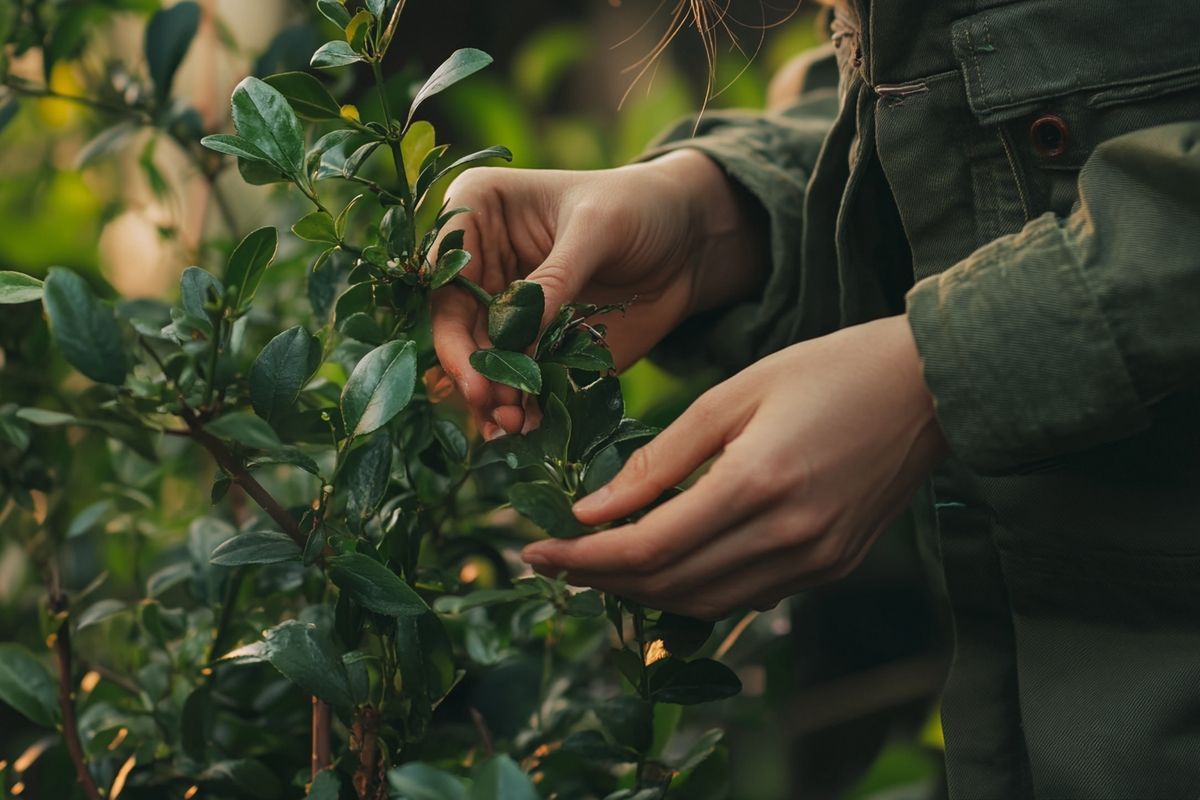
{"points": [[566, 269], [669, 459]]}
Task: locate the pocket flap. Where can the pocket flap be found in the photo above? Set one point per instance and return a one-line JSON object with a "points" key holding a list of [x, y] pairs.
{"points": [[1015, 56]]}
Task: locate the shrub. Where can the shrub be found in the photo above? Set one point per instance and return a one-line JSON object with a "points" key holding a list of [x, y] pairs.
{"points": [[331, 578]]}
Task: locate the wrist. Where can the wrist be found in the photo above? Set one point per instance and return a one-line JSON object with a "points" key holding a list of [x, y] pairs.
{"points": [[727, 230]]}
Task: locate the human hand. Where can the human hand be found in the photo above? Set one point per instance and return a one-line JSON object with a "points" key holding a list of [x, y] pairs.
{"points": [[654, 231], [821, 446]]}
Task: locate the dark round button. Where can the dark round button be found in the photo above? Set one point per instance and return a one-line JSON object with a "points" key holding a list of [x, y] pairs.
{"points": [[1049, 135]]}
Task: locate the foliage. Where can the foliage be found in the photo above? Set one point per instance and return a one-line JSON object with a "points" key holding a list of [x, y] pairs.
{"points": [[333, 584]]}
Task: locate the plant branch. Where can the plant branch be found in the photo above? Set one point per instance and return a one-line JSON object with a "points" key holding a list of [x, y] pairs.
{"points": [[322, 722], [473, 288], [241, 476], [44, 92], [66, 697]]}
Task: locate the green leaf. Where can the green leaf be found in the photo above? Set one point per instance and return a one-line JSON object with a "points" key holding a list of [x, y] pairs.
{"points": [[318, 227], [681, 636], [308, 96], [335, 12], [84, 328], [199, 289], [515, 315], [548, 507], [168, 37], [449, 264], [335, 54], [419, 139], [374, 587], [628, 719], [396, 230], [255, 547], [376, 7], [326, 786], [26, 685], [380, 387], [365, 475], [236, 146], [249, 263], [686, 683], [306, 657], [242, 427], [196, 723], [511, 369], [18, 287], [461, 64], [46, 418], [495, 151], [596, 412], [263, 116], [339, 225], [98, 612], [417, 781], [502, 779], [580, 350], [281, 370]]}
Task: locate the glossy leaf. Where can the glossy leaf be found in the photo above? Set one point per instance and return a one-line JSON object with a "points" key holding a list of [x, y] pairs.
{"points": [[26, 685], [337, 53], [495, 151], [511, 369], [84, 328], [244, 428], [449, 264], [364, 476], [249, 263], [231, 145], [580, 350], [317, 227], [335, 12], [326, 786], [168, 37], [308, 96], [256, 547], [461, 64], [502, 779], [548, 507], [373, 586], [198, 289], [379, 388], [417, 781], [691, 682], [596, 411], [515, 315], [306, 657], [376, 7], [17, 287], [263, 116], [281, 370]]}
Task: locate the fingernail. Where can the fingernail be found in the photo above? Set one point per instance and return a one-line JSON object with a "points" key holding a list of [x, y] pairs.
{"points": [[593, 502], [535, 560], [493, 432]]}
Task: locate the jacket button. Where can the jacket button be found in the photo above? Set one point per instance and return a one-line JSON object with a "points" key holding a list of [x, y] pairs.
{"points": [[1049, 135]]}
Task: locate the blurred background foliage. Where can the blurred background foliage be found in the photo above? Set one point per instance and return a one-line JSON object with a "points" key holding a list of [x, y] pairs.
{"points": [[838, 686]]}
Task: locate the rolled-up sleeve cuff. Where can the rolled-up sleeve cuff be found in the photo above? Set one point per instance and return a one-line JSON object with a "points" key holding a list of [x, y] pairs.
{"points": [[1018, 355]]}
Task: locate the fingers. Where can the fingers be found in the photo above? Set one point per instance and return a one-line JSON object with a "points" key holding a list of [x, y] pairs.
{"points": [[669, 459], [665, 536]]}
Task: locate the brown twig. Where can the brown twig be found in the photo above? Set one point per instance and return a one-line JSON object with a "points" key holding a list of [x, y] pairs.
{"points": [[66, 694], [485, 735], [322, 722], [241, 476], [369, 775]]}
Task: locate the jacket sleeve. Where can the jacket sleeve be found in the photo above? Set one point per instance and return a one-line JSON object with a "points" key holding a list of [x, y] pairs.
{"points": [[1065, 335], [769, 158]]}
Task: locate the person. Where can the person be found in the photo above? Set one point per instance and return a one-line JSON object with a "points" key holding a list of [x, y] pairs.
{"points": [[975, 267]]}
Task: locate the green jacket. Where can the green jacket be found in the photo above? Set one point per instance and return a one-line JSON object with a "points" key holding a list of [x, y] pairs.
{"points": [[1023, 178]]}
